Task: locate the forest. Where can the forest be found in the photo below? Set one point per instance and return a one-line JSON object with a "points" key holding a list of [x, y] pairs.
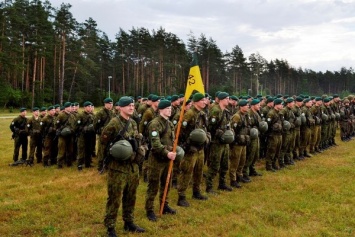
{"points": [[47, 57]]}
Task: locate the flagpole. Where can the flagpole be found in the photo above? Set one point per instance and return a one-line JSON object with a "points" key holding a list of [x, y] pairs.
{"points": [[171, 163]]}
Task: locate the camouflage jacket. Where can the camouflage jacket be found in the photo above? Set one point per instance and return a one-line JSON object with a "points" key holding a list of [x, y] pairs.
{"points": [[101, 119], [34, 126]]}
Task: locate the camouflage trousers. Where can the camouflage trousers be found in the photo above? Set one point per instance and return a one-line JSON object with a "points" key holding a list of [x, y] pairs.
{"points": [[48, 154], [315, 138], [20, 142], [296, 142], [237, 161], [273, 149], [121, 186], [65, 150], [305, 138], [253, 150], [325, 131], [285, 152], [157, 174], [191, 168], [35, 147], [219, 158], [85, 149]]}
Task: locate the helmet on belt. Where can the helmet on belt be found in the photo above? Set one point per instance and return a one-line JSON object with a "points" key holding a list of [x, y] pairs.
{"points": [[254, 133], [65, 132], [198, 136], [298, 121], [227, 137], [263, 126], [303, 119], [121, 150], [324, 117], [180, 153], [286, 125]]}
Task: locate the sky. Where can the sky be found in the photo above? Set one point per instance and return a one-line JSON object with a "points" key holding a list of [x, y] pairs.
{"points": [[311, 34]]}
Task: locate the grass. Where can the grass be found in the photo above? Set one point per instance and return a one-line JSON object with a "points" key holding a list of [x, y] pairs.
{"points": [[313, 198]]}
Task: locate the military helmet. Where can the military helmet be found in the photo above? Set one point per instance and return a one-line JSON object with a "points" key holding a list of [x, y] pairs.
{"points": [[121, 150], [324, 117], [263, 126], [337, 116], [227, 137], [303, 119], [180, 153], [298, 121], [286, 125], [254, 133], [65, 132], [198, 136]]}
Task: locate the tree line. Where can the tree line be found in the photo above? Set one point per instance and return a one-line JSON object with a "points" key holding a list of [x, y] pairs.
{"points": [[47, 57]]}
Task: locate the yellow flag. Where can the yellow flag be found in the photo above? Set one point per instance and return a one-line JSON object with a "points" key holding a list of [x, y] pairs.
{"points": [[194, 81]]}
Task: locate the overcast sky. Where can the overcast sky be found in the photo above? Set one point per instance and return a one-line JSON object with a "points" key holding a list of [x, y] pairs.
{"points": [[312, 34]]}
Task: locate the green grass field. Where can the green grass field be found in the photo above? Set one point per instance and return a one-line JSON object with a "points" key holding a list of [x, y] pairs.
{"points": [[315, 197]]}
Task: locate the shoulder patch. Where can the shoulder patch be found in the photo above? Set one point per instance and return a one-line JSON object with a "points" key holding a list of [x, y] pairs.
{"points": [[184, 123], [268, 119], [79, 122], [28, 125], [154, 134], [40, 123], [235, 125], [174, 122], [213, 120], [145, 122]]}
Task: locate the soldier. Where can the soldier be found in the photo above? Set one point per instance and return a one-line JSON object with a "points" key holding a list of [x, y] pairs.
{"points": [[345, 120], [75, 112], [175, 109], [161, 137], [64, 126], [274, 120], [263, 138], [233, 104], [254, 147], [326, 123], [219, 123], [86, 133], [295, 147], [123, 172], [43, 112], [306, 128], [101, 119], [48, 132], [191, 166], [19, 134], [34, 129], [316, 111], [240, 123]]}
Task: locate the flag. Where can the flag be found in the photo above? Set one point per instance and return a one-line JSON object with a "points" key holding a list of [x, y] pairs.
{"points": [[194, 81]]}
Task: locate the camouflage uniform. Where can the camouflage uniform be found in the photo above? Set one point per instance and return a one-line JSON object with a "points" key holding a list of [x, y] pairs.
{"points": [[122, 176], [218, 123], [48, 132], [101, 119], [65, 144], [86, 133], [285, 157], [161, 136], [253, 148], [34, 129], [274, 121], [19, 130], [295, 146], [306, 131], [191, 166], [344, 122], [316, 130]]}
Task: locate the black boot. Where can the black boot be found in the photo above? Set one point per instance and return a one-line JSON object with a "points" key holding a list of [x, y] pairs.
{"points": [[210, 190], [245, 178], [235, 184], [168, 210], [268, 167], [111, 232], [151, 216], [252, 172], [197, 195], [224, 187], [182, 202], [131, 227]]}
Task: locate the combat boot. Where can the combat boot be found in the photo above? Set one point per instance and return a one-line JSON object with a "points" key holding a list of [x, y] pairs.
{"points": [[111, 232], [253, 172], [182, 202], [151, 216], [306, 154], [168, 210], [131, 227], [210, 190], [197, 195], [245, 178], [235, 184], [269, 167], [224, 187], [275, 167]]}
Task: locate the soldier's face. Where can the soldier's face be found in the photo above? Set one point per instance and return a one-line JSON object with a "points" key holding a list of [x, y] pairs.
{"points": [[200, 104], [109, 105], [23, 113], [127, 110], [166, 112], [51, 112], [36, 113]]}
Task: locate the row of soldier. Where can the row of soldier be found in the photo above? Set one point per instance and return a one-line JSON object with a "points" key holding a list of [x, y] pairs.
{"points": [[229, 135]]}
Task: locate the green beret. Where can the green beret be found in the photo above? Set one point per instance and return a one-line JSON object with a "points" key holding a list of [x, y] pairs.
{"points": [[67, 104], [22, 109], [318, 98], [255, 102], [174, 98], [312, 97], [76, 103], [150, 96], [270, 99], [326, 100], [35, 109], [155, 98], [72, 104], [43, 109], [117, 104], [299, 99], [124, 101], [164, 104], [259, 96], [307, 100], [188, 102], [243, 103], [222, 95], [181, 95], [289, 100], [87, 103], [62, 108], [335, 96], [233, 97], [279, 96], [278, 101], [108, 100], [51, 107], [144, 99], [56, 106], [216, 94], [197, 97], [286, 96], [139, 97]]}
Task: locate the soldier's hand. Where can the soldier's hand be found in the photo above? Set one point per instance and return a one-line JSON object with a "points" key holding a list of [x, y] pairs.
{"points": [[172, 155]]}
